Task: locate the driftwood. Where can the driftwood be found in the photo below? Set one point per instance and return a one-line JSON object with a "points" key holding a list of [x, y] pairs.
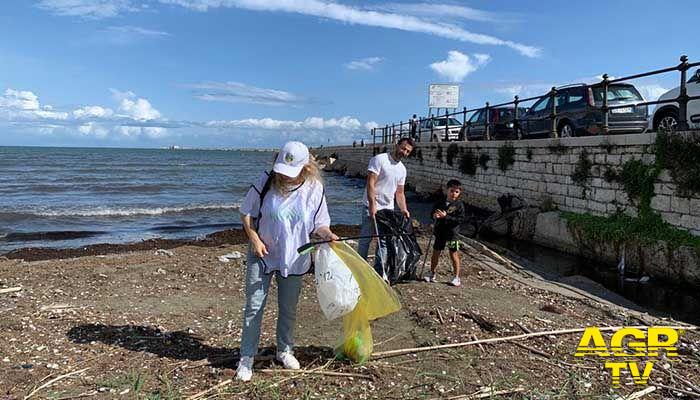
{"points": [[532, 349], [10, 290], [211, 389], [54, 380], [393, 353], [686, 392], [486, 393], [483, 323], [439, 314], [640, 394]]}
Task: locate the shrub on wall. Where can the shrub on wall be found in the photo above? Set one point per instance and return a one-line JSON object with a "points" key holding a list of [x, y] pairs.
{"points": [[582, 172], [529, 154], [681, 157], [438, 153], [506, 156], [467, 163], [484, 159], [452, 151]]}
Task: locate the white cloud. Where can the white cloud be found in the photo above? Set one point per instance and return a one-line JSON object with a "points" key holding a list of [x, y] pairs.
{"points": [[366, 64], [236, 92], [359, 16], [139, 109], [311, 123], [449, 11], [88, 9], [135, 30], [459, 65], [134, 117]]}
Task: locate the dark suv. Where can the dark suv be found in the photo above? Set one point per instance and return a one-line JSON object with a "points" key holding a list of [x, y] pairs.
{"points": [[579, 112], [500, 126]]}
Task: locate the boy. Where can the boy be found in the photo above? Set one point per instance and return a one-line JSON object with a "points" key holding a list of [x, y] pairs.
{"points": [[448, 214]]}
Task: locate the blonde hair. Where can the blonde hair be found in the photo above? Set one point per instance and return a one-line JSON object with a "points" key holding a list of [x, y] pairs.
{"points": [[311, 173]]}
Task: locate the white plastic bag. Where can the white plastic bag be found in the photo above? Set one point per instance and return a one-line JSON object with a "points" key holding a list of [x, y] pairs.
{"points": [[337, 289]]}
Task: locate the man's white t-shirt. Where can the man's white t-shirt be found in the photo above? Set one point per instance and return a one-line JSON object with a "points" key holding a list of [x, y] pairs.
{"points": [[390, 174], [286, 223]]}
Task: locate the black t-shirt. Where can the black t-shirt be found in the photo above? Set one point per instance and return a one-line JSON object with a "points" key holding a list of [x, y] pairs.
{"points": [[447, 227]]}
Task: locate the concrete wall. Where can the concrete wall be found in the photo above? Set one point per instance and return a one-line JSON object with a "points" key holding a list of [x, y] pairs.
{"points": [[547, 175]]}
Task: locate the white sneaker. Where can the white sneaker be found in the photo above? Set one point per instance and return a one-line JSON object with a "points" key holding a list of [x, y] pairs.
{"points": [[431, 277], [245, 369], [288, 360], [456, 281]]}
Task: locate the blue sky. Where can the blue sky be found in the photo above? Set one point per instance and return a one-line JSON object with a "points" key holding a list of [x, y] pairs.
{"points": [[255, 73]]}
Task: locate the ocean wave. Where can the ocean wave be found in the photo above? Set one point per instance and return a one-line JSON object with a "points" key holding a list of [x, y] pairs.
{"points": [[120, 212]]}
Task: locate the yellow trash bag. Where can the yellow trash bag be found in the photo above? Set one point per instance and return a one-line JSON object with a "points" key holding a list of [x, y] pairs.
{"points": [[377, 299]]}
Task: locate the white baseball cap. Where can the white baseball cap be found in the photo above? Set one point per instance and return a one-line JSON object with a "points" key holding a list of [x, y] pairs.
{"points": [[291, 159]]}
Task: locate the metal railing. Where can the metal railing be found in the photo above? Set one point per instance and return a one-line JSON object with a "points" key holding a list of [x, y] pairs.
{"points": [[389, 133]]}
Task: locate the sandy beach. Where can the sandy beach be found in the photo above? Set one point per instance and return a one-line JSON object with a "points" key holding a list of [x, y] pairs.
{"points": [[143, 323]]}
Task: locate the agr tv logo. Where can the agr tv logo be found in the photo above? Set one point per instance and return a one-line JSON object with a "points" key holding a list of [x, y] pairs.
{"points": [[629, 344]]}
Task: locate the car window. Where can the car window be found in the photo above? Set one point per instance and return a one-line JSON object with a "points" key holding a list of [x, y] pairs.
{"points": [[543, 104], [561, 99], [617, 93], [696, 77], [576, 95], [475, 117]]}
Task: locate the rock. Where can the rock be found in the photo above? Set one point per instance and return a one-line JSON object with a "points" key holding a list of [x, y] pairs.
{"points": [[161, 252], [230, 256]]}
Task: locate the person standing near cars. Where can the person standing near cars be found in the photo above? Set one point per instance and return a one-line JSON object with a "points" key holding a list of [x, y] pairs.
{"points": [[386, 177], [414, 127]]}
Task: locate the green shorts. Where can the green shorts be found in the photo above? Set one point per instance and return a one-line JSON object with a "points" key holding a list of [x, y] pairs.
{"points": [[441, 243]]}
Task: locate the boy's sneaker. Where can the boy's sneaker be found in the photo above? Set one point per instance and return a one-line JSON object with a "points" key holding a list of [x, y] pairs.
{"points": [[288, 360], [431, 277], [456, 281], [245, 369]]}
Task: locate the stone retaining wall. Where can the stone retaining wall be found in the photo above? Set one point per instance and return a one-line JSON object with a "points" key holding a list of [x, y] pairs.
{"points": [[542, 173]]}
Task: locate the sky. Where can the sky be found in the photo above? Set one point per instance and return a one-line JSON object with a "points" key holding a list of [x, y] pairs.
{"points": [[256, 73]]}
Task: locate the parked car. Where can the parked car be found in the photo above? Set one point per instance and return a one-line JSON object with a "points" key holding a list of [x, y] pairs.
{"points": [[500, 126], [437, 124], [579, 111], [666, 116]]}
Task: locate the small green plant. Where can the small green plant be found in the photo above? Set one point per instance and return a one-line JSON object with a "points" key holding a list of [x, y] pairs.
{"points": [[620, 228], [637, 178], [680, 155], [528, 154], [610, 175], [452, 151], [484, 159], [609, 147], [582, 172], [548, 204], [557, 148], [467, 163], [438, 153], [506, 156]]}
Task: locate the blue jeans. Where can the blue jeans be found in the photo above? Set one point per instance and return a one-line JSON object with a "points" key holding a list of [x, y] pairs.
{"points": [[367, 229], [257, 285]]}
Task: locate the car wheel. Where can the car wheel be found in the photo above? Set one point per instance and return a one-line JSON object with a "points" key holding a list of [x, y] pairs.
{"points": [[668, 122], [566, 130]]}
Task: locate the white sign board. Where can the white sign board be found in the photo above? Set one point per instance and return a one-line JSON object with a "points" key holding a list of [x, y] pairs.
{"points": [[443, 96]]}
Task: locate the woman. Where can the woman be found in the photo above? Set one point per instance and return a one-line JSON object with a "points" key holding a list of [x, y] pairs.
{"points": [[279, 214]]}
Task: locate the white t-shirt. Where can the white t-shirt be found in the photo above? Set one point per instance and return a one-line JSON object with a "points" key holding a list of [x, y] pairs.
{"points": [[286, 223], [390, 174]]}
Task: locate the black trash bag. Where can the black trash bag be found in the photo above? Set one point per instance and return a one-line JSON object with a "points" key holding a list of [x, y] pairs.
{"points": [[511, 202], [403, 252]]}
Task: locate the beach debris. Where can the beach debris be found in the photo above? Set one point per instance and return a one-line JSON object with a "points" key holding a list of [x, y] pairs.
{"points": [[162, 252], [230, 256], [10, 290], [54, 380], [161, 271]]}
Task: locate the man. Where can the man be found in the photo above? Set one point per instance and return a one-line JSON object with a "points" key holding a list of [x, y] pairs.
{"points": [[386, 177], [414, 127]]}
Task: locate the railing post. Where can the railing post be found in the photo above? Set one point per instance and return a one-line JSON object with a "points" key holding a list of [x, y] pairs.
{"points": [[605, 111], [553, 95], [374, 137], [385, 136], [447, 131], [516, 122], [683, 96], [420, 133], [487, 124], [400, 129], [432, 128], [464, 125]]}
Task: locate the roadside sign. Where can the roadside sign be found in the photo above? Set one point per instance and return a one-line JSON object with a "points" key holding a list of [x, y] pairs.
{"points": [[443, 96]]}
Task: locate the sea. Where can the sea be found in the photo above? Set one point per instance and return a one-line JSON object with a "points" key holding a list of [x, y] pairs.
{"points": [[71, 197]]}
